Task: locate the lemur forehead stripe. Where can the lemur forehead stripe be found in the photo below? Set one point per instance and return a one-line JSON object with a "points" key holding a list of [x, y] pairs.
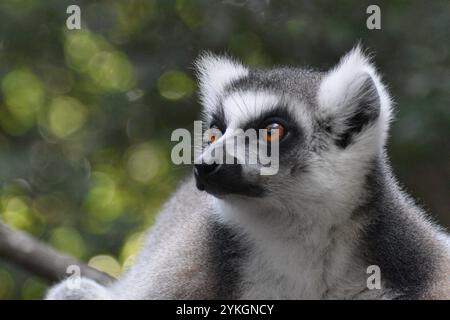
{"points": [[279, 113], [297, 82], [240, 106]]}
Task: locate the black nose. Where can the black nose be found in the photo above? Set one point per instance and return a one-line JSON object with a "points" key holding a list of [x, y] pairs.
{"points": [[204, 169], [203, 172], [222, 179]]}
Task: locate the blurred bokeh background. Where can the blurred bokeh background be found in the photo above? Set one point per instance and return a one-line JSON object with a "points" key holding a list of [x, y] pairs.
{"points": [[86, 116]]}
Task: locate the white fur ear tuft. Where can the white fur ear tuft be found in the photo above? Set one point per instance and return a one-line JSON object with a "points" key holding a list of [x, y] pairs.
{"points": [[214, 74], [344, 88]]}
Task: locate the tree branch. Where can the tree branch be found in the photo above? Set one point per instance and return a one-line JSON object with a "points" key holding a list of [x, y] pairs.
{"points": [[40, 259]]}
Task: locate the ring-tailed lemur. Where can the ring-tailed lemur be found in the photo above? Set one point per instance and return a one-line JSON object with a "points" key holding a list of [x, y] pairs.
{"points": [[310, 231]]}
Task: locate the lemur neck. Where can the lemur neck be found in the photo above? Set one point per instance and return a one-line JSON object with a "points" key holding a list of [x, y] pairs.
{"points": [[309, 251], [302, 223]]}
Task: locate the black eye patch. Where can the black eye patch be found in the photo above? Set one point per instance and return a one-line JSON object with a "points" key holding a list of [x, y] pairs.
{"points": [[218, 119], [292, 139], [278, 115]]}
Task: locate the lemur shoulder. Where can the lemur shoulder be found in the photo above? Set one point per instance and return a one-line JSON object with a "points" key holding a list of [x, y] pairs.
{"points": [[311, 230]]}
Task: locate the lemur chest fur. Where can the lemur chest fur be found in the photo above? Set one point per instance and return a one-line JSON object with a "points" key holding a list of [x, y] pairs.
{"points": [[288, 272], [314, 263]]}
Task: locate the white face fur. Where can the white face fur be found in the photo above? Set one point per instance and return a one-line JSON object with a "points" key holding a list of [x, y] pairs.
{"points": [[335, 124]]}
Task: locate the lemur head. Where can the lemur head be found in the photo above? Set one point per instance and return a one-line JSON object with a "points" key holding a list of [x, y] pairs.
{"points": [[330, 127]]}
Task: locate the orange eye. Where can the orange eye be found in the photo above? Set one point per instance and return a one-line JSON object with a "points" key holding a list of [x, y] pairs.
{"points": [[214, 134], [273, 132]]}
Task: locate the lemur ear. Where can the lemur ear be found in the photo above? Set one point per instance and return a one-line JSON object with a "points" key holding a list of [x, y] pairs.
{"points": [[352, 99], [214, 74]]}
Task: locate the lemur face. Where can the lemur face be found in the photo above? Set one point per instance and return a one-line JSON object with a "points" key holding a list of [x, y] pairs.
{"points": [[321, 125]]}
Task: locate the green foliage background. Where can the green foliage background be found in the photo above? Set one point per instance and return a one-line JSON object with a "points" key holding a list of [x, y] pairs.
{"points": [[86, 116]]}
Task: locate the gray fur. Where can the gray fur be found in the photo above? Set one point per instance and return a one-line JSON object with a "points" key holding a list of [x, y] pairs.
{"points": [[333, 209]]}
